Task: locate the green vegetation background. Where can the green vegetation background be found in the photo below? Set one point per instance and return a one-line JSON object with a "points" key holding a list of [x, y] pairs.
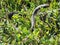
{"points": [[17, 31]]}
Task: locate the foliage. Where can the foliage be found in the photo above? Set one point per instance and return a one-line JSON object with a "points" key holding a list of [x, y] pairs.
{"points": [[17, 31]]}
